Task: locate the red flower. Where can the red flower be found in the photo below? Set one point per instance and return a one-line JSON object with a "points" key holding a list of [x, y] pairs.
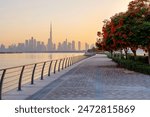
{"points": [[124, 36]]}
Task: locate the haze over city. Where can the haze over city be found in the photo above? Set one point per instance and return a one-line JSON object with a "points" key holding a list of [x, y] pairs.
{"points": [[77, 20], [34, 45]]}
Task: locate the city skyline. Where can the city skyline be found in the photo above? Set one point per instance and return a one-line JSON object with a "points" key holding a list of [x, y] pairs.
{"points": [[73, 19], [33, 45]]}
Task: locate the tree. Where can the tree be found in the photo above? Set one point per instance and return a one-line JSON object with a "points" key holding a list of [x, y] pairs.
{"points": [[138, 17], [130, 29]]}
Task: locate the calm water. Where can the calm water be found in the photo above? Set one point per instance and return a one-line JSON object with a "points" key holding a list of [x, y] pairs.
{"points": [[11, 60]]}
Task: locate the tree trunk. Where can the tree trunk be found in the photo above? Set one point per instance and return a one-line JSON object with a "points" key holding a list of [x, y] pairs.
{"points": [[134, 53], [126, 53]]}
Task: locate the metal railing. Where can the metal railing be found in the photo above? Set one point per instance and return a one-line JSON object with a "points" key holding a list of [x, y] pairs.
{"points": [[16, 77]]}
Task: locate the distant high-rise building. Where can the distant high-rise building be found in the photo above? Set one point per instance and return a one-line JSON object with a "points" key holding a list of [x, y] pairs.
{"points": [[50, 42], [86, 46], [34, 45], [12, 48], [2, 48], [31, 41], [54, 47], [38, 46], [69, 46], [20, 47], [43, 47], [26, 45], [65, 45], [59, 46], [73, 46], [79, 45]]}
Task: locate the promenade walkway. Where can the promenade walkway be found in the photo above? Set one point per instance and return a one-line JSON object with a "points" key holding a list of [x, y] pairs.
{"points": [[96, 78]]}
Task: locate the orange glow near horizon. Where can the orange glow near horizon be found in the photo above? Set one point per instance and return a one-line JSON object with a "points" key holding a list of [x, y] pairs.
{"points": [[77, 20]]}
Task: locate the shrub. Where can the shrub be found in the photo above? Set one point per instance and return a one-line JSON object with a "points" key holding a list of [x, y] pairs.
{"points": [[133, 65], [143, 59]]}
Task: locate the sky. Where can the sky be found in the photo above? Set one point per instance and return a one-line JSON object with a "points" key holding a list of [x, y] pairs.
{"points": [[77, 20]]}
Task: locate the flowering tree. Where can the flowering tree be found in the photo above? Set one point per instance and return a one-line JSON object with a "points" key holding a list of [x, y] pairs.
{"points": [[136, 14], [114, 34], [130, 29], [120, 32], [138, 17]]}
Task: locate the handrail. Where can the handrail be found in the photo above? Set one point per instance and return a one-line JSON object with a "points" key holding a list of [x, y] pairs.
{"points": [[1, 83], [66, 62], [46, 68], [63, 63], [20, 79], [27, 64], [49, 70], [32, 79], [59, 64], [42, 70]]}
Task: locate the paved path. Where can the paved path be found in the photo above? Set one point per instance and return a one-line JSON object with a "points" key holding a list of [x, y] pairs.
{"points": [[97, 78]]}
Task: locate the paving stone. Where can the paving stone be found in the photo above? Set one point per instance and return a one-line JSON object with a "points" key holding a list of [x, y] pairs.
{"points": [[99, 78]]}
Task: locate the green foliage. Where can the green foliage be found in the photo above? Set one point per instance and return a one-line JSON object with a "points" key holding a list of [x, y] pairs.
{"points": [[143, 33], [109, 55], [143, 59], [133, 65], [130, 29]]}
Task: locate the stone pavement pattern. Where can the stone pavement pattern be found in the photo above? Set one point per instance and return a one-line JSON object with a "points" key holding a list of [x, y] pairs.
{"points": [[97, 78]]}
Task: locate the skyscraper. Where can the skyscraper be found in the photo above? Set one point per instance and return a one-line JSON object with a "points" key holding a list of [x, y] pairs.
{"points": [[69, 46], [26, 45], [79, 45], [73, 46], [31, 41], [86, 46], [50, 43]]}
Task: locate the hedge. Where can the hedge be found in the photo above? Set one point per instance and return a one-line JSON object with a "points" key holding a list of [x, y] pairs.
{"points": [[133, 65], [143, 59]]}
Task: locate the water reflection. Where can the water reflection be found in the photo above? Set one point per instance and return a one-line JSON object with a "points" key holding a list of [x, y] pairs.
{"points": [[11, 60]]}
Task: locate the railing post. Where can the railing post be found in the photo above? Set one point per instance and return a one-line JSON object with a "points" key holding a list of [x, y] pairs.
{"points": [[49, 70], [71, 60], [55, 67], [63, 63], [42, 72], [20, 79], [32, 79], [1, 83], [66, 63], [59, 64]]}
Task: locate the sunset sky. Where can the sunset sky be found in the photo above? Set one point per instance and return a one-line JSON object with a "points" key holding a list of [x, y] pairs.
{"points": [[72, 19]]}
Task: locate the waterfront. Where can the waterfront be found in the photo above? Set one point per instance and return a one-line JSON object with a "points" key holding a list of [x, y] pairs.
{"points": [[103, 80], [16, 59]]}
